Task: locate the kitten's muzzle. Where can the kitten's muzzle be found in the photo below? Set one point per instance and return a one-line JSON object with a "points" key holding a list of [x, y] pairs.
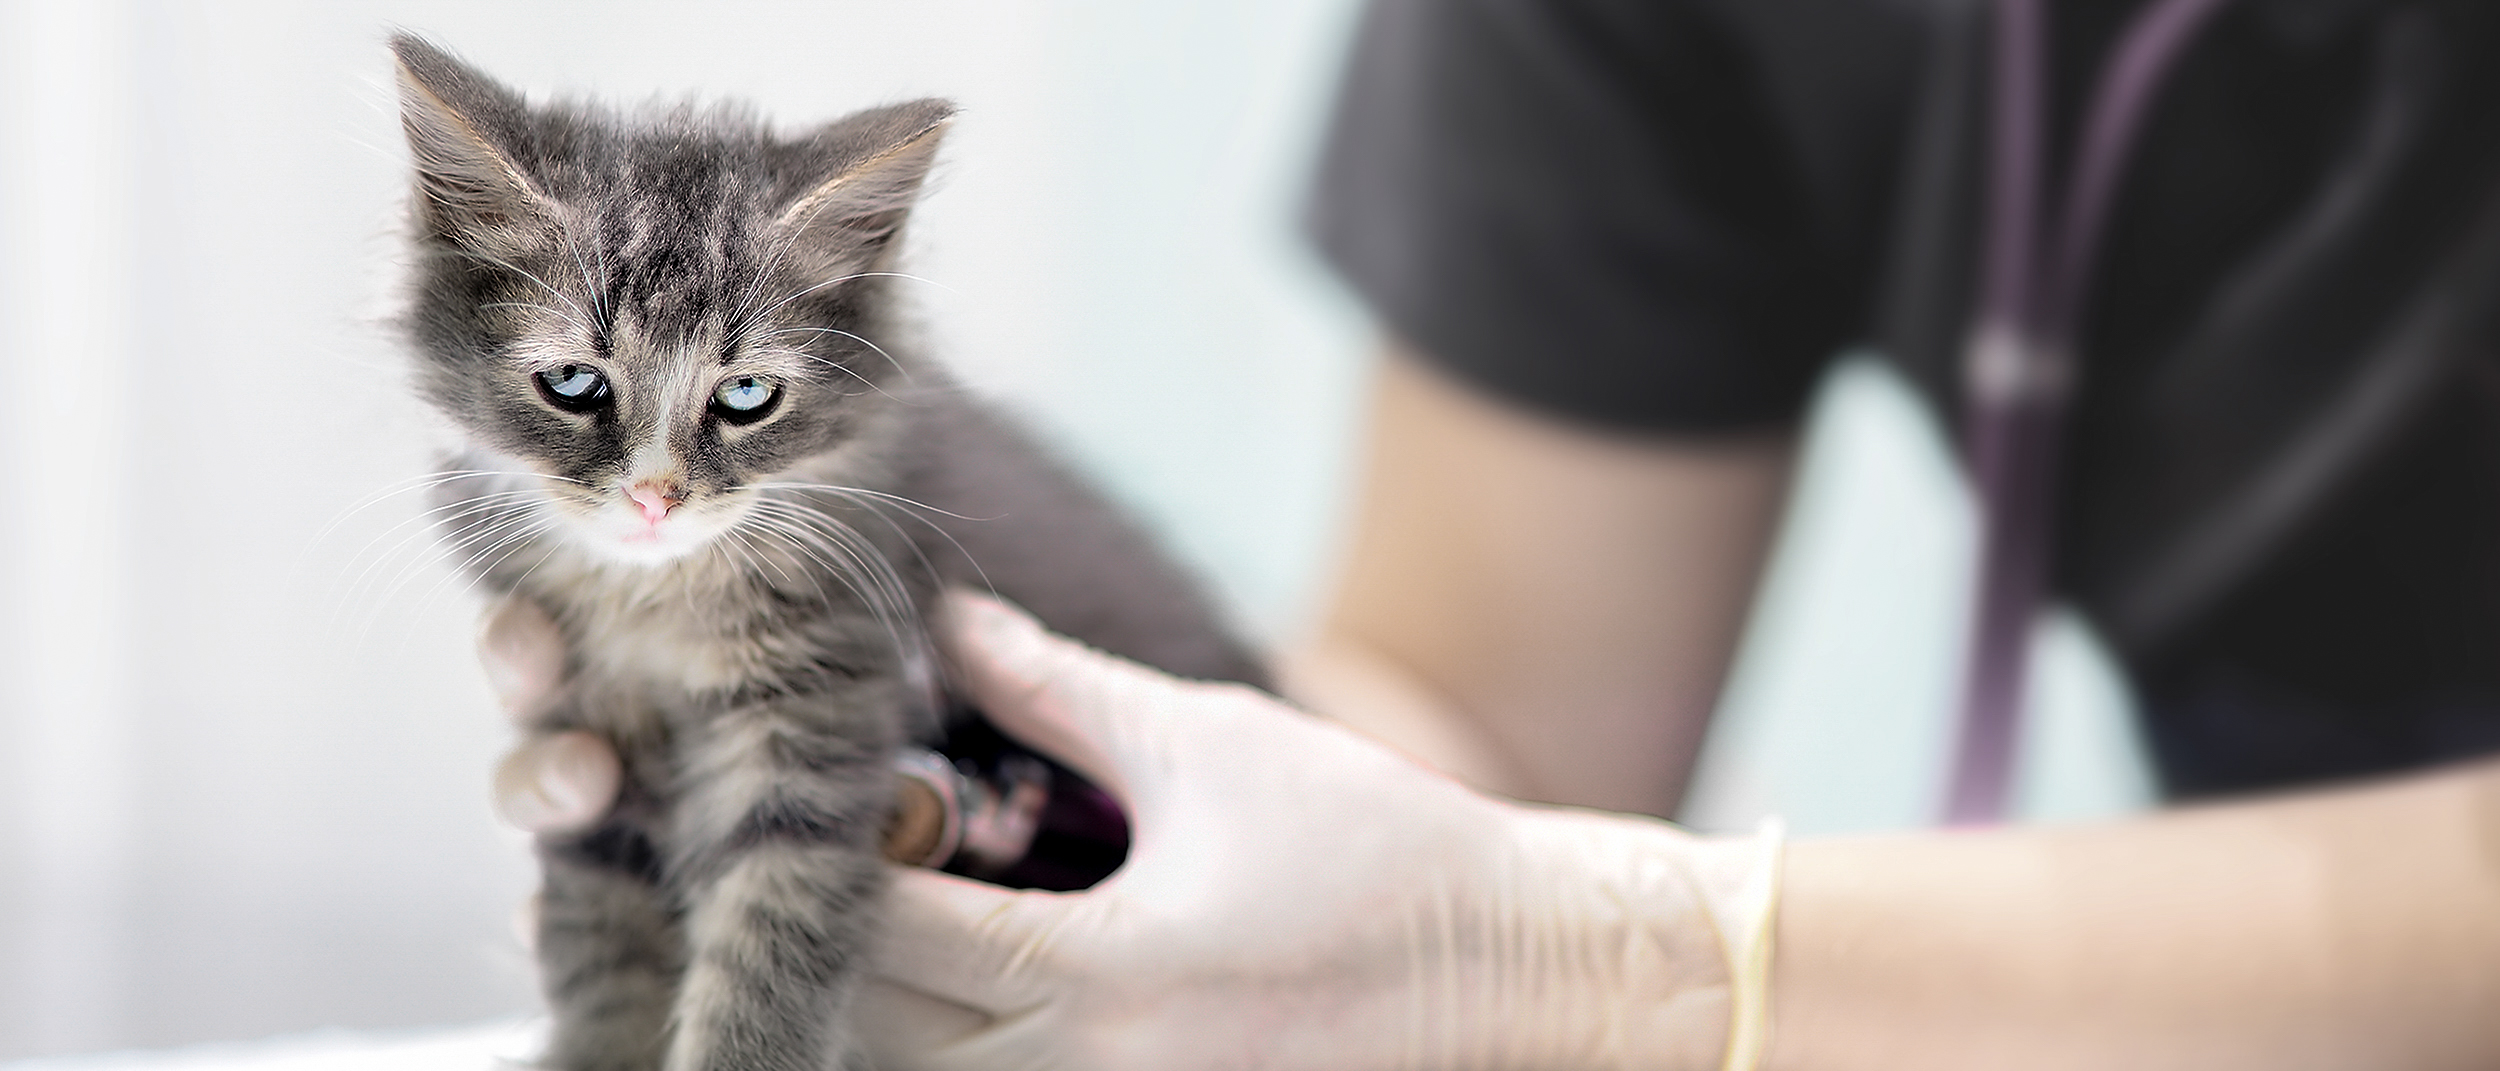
{"points": [[656, 498]]}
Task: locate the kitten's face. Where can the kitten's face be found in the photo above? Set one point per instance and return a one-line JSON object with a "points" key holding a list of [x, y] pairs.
{"points": [[653, 436], [657, 315]]}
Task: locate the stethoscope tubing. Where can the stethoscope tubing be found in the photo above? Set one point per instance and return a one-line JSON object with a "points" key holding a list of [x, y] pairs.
{"points": [[2020, 359]]}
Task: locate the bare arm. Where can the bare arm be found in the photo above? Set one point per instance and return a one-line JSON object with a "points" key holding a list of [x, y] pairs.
{"points": [[2355, 928], [1548, 614], [1543, 611]]}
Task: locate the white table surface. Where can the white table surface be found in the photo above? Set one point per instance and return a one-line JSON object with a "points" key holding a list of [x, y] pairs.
{"points": [[478, 1047]]}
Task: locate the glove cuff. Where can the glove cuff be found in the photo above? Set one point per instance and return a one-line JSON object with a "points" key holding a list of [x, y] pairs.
{"points": [[1748, 933], [1656, 951]]}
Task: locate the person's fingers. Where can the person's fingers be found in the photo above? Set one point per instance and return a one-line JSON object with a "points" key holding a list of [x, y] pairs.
{"points": [[968, 943], [557, 783], [523, 654], [904, 1029], [1096, 713]]}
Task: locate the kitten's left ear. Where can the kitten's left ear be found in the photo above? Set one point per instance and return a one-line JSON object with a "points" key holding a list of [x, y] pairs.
{"points": [[876, 160]]}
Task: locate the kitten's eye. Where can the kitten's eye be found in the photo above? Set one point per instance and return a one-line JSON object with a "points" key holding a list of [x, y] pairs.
{"points": [[576, 388], [745, 399]]}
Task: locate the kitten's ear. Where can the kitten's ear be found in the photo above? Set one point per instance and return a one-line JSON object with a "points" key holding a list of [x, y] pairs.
{"points": [[469, 190], [868, 168]]}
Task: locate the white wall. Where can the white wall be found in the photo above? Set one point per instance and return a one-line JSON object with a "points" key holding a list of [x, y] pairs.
{"points": [[242, 744]]}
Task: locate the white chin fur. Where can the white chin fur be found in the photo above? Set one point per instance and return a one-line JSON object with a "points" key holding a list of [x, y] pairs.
{"points": [[639, 545]]}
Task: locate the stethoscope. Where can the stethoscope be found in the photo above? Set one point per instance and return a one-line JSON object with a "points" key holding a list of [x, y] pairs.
{"points": [[2019, 363]]}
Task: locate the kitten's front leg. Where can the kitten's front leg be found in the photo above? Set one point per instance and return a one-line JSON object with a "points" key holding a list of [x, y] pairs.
{"points": [[773, 845], [609, 949]]}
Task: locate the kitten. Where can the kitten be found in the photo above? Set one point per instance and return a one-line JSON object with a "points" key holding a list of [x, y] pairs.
{"points": [[668, 339]]}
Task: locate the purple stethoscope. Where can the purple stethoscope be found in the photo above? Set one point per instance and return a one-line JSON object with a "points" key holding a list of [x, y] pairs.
{"points": [[2020, 362]]}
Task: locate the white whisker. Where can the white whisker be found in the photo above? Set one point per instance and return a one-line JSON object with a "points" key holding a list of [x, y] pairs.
{"points": [[862, 340], [464, 544], [749, 321], [428, 518], [835, 365], [598, 296], [478, 568], [399, 487], [363, 583], [580, 318], [853, 559], [869, 501], [845, 489]]}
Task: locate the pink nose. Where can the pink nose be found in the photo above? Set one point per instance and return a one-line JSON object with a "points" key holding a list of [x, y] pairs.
{"points": [[656, 498]]}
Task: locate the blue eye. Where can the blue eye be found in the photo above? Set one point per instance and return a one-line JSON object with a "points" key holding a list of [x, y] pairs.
{"points": [[745, 398], [576, 388]]}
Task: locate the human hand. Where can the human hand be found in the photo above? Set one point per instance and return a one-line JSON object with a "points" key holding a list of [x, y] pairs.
{"points": [[1298, 897]]}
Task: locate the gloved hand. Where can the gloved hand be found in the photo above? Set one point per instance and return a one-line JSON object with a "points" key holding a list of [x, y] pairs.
{"points": [[1296, 896], [1299, 897]]}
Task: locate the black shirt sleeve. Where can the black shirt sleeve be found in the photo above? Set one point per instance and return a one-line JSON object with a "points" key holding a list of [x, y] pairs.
{"points": [[1594, 208]]}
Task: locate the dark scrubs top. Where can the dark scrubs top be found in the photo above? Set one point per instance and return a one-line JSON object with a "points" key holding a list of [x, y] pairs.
{"points": [[2280, 497]]}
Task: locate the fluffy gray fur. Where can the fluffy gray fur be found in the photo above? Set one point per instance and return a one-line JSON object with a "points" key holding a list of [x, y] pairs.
{"points": [[758, 651]]}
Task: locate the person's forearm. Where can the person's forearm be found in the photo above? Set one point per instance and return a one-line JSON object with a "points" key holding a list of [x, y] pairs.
{"points": [[1561, 601], [2353, 929], [1345, 679]]}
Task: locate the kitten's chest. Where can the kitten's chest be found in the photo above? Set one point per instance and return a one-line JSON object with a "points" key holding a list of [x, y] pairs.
{"points": [[664, 653], [646, 655]]}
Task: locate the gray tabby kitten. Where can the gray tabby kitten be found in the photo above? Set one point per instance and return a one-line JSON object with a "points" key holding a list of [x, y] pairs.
{"points": [[691, 437]]}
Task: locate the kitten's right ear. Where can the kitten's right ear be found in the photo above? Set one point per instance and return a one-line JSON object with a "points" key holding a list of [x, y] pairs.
{"points": [[469, 190]]}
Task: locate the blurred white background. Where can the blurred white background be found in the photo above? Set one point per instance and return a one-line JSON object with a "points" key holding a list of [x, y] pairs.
{"points": [[242, 764]]}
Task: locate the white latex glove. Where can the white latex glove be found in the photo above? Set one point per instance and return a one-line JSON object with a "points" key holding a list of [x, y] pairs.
{"points": [[1299, 897]]}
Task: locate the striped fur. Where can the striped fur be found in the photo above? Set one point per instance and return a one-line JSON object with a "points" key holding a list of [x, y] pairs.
{"points": [[758, 655]]}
